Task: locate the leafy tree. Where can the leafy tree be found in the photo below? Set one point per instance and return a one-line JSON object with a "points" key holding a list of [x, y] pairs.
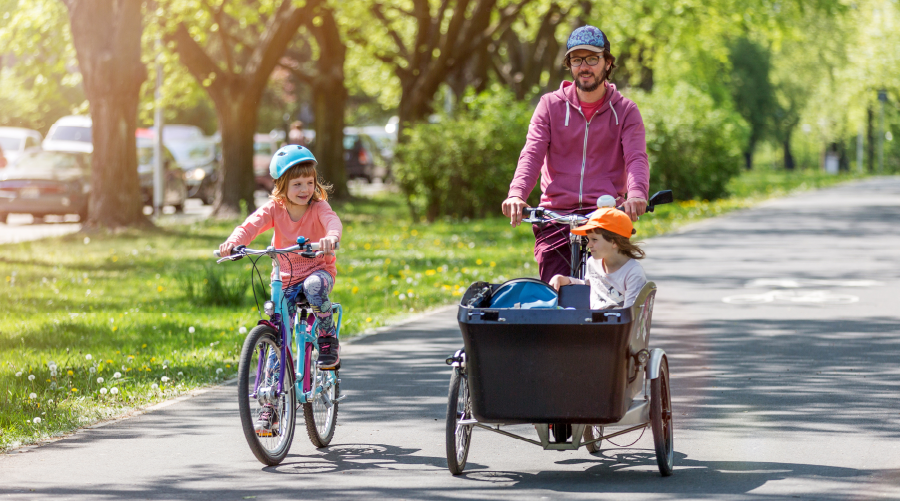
{"points": [[106, 35], [231, 48], [424, 43], [752, 91]]}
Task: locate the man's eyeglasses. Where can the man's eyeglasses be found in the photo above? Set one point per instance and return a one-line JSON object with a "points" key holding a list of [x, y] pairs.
{"points": [[590, 60]]}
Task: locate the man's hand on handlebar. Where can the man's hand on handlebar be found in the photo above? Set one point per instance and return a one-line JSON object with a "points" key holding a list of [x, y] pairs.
{"points": [[512, 208], [635, 207]]}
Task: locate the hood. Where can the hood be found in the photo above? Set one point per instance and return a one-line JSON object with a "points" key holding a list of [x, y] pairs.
{"points": [[76, 146], [23, 172]]}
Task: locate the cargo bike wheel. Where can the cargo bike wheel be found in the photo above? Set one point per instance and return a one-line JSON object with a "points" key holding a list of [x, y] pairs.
{"points": [[459, 407], [661, 420]]}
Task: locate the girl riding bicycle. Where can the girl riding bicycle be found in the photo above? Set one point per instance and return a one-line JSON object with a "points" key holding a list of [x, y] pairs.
{"points": [[613, 272], [298, 207]]}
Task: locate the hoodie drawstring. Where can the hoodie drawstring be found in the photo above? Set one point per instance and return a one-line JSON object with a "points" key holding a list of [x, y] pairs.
{"points": [[567, 113], [614, 111]]}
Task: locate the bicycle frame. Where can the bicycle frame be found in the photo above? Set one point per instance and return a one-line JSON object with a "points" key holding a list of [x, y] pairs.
{"points": [[304, 337]]}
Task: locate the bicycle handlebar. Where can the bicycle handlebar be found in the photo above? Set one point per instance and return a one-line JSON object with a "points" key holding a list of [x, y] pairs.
{"points": [[543, 215], [309, 250]]}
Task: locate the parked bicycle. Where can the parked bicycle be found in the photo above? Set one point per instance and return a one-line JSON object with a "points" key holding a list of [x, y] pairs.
{"points": [[267, 384]]}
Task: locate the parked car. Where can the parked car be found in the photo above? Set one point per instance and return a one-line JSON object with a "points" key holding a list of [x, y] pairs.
{"points": [[176, 192], [16, 141], [200, 162], [71, 133], [42, 183], [362, 156], [264, 146]]}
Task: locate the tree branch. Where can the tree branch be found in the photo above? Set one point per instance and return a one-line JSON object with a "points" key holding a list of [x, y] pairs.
{"points": [[197, 61], [398, 41]]}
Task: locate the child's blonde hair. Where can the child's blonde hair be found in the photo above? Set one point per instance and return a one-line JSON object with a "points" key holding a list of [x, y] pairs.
{"points": [[303, 169], [625, 245]]}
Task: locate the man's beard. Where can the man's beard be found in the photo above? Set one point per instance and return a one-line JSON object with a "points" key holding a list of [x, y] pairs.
{"points": [[591, 87]]}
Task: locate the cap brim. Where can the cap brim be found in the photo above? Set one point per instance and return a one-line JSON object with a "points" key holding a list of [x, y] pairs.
{"points": [[582, 230], [592, 48]]}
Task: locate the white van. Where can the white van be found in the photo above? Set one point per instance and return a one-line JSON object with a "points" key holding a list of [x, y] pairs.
{"points": [[71, 133], [16, 141]]}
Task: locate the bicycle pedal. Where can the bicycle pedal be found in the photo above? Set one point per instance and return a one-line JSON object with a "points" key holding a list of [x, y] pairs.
{"points": [[336, 367], [261, 433]]}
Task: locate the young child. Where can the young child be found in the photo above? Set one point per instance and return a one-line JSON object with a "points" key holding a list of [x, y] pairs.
{"points": [[298, 207], [613, 272]]}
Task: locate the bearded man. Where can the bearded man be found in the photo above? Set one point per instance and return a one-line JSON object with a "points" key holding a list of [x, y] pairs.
{"points": [[585, 140]]}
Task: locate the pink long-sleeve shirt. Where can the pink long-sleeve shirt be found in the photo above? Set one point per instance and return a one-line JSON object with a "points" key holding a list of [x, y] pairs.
{"points": [[580, 160], [317, 222]]}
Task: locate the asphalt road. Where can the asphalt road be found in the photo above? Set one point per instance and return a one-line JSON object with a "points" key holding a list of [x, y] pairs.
{"points": [[783, 332]]}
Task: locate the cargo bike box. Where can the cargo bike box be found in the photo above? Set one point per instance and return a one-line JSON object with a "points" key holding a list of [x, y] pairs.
{"points": [[531, 356]]}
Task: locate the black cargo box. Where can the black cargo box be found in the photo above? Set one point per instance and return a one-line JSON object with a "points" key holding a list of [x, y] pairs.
{"points": [[554, 365]]}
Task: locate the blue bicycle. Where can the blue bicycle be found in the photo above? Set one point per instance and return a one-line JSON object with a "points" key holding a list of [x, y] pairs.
{"points": [[277, 372]]}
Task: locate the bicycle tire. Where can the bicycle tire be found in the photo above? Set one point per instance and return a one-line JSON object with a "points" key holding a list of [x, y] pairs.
{"points": [[661, 420], [459, 406], [321, 420], [269, 450], [592, 433]]}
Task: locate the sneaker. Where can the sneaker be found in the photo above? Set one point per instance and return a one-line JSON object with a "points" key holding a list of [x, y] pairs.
{"points": [[329, 353], [265, 423]]}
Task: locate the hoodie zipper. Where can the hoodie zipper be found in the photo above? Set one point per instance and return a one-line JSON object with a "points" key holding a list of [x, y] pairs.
{"points": [[587, 125]]}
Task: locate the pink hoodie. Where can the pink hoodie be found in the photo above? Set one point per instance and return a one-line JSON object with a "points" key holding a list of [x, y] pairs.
{"points": [[578, 160]]}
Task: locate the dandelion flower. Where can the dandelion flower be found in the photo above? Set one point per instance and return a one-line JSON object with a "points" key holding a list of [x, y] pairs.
{"points": [[70, 373], [53, 373], [51, 365], [19, 374], [103, 391], [154, 386], [164, 379], [180, 374], [219, 371], [166, 362], [37, 420], [242, 330], [74, 390], [50, 402], [114, 391], [88, 357], [117, 375], [32, 396], [92, 370], [99, 380], [191, 329], [31, 377]]}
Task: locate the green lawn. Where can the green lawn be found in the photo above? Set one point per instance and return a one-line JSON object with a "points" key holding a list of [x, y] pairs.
{"points": [[136, 317]]}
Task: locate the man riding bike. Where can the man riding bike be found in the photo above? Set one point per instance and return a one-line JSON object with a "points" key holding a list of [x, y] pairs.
{"points": [[585, 140]]}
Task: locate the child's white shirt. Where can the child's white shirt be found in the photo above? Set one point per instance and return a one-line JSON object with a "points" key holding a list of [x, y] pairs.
{"points": [[618, 289]]}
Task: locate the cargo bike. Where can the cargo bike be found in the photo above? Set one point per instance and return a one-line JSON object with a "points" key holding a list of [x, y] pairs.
{"points": [[532, 356]]}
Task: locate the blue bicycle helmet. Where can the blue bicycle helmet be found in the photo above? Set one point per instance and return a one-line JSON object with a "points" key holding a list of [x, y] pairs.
{"points": [[287, 157]]}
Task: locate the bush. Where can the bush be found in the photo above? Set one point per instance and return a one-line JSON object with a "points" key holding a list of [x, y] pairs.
{"points": [[462, 166], [694, 147]]}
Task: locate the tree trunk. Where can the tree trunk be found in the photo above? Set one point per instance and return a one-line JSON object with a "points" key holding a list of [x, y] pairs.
{"points": [[107, 39], [237, 121], [788, 157], [870, 138], [330, 100]]}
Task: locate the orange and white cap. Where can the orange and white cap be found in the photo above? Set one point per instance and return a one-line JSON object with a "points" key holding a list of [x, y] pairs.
{"points": [[608, 218]]}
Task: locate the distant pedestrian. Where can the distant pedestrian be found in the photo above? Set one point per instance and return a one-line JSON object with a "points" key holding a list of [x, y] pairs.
{"points": [[295, 135]]}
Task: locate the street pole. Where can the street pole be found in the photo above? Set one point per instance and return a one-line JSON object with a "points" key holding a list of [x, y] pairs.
{"points": [[158, 177], [882, 97]]}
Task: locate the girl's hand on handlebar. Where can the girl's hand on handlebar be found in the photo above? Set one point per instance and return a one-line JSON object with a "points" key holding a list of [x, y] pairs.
{"points": [[635, 207], [512, 208], [558, 281], [328, 244], [225, 249]]}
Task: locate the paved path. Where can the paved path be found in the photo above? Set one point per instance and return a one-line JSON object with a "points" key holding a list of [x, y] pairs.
{"points": [[788, 397]]}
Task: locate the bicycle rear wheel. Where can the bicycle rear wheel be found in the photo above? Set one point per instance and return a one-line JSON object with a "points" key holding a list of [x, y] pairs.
{"points": [[459, 406], [321, 418], [257, 356], [661, 420]]}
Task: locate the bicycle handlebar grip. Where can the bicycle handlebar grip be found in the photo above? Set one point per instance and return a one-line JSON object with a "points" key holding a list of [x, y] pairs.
{"points": [[217, 253]]}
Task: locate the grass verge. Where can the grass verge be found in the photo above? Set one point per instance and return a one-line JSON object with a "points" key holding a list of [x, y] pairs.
{"points": [[92, 327]]}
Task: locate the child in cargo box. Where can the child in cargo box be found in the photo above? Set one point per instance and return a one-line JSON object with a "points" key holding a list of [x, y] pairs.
{"points": [[613, 272]]}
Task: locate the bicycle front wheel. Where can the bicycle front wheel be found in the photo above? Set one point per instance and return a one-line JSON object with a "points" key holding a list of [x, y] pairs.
{"points": [[321, 418], [257, 387]]}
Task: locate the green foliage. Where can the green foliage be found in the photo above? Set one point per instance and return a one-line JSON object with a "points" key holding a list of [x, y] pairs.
{"points": [[462, 166], [212, 286], [694, 147], [752, 91]]}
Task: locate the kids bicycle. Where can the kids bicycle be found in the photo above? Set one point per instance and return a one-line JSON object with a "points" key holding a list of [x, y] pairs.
{"points": [[266, 381]]}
